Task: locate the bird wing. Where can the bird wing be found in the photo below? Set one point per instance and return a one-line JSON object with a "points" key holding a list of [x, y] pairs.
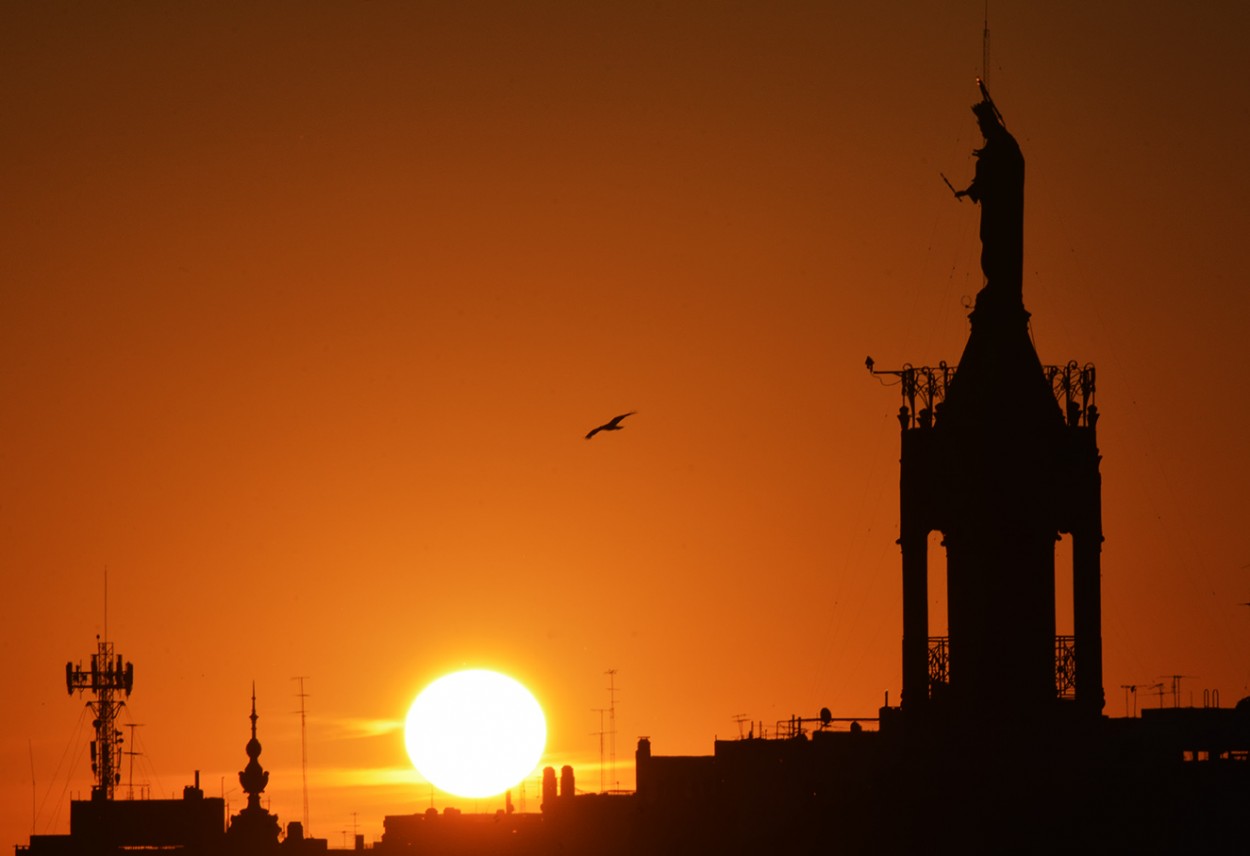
{"points": [[616, 421], [613, 425]]}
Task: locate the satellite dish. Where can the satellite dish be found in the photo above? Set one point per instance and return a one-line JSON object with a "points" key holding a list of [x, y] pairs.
{"points": [[825, 717]]}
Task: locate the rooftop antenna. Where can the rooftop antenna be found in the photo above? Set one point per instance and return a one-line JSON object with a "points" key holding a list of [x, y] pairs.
{"points": [[1129, 688], [34, 811], [601, 711], [104, 678], [1176, 689], [1159, 688], [740, 718], [611, 673], [303, 743], [132, 752]]}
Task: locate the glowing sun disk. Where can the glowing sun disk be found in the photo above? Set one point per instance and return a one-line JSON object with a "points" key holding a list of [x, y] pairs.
{"points": [[475, 733]]}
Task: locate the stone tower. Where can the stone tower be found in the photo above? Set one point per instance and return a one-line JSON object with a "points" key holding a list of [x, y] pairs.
{"points": [[999, 455]]}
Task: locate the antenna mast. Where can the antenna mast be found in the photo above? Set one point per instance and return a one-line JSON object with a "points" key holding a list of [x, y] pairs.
{"points": [[985, 46], [131, 753], [303, 743], [104, 678], [601, 711], [611, 673]]}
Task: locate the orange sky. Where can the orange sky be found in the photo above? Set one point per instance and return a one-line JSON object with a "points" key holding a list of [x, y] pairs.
{"points": [[305, 308]]}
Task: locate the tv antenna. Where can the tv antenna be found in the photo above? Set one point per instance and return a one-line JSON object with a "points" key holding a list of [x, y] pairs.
{"points": [[601, 711], [131, 753], [1129, 688], [740, 718], [611, 673], [303, 743], [34, 810], [1176, 689], [1159, 687]]}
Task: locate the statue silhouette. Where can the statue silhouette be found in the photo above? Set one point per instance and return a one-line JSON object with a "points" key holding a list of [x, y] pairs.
{"points": [[998, 187]]}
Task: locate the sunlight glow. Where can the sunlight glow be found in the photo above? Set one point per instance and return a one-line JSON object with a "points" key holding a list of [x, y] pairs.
{"points": [[475, 733]]}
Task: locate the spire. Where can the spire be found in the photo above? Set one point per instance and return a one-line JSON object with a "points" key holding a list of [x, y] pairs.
{"points": [[253, 778], [254, 826]]}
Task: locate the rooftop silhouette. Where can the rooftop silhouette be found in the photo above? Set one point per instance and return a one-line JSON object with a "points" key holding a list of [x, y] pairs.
{"points": [[1000, 742]]}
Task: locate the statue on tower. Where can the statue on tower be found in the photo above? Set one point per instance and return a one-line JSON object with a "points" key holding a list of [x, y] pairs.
{"points": [[998, 187]]}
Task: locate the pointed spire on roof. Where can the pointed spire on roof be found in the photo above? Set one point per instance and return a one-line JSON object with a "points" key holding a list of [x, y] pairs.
{"points": [[254, 828], [253, 777]]}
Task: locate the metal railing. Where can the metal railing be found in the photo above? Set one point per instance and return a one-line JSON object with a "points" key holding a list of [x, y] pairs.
{"points": [[1065, 665], [924, 388]]}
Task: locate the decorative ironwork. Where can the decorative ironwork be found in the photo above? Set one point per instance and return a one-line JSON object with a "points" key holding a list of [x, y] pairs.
{"points": [[1065, 666], [923, 385], [1073, 386], [939, 664], [924, 388]]}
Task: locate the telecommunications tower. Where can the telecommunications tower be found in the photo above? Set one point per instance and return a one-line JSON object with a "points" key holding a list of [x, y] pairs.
{"points": [[104, 678]]}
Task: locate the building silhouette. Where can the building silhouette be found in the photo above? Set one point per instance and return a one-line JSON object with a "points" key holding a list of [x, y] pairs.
{"points": [[999, 742], [195, 825]]}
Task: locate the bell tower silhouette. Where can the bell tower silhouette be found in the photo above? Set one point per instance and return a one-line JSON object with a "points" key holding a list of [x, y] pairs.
{"points": [[1000, 456]]}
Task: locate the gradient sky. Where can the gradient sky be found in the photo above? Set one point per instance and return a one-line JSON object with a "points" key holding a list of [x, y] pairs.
{"points": [[306, 307]]}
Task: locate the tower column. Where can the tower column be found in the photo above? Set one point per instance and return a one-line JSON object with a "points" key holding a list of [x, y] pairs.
{"points": [[915, 547], [1087, 618], [914, 527]]}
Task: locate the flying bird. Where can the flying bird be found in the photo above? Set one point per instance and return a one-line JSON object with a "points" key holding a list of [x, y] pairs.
{"points": [[614, 425]]}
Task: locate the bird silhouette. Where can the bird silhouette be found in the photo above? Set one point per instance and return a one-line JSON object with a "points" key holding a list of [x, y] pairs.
{"points": [[613, 425]]}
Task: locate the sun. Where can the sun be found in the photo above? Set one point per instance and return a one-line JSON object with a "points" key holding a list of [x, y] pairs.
{"points": [[475, 733]]}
